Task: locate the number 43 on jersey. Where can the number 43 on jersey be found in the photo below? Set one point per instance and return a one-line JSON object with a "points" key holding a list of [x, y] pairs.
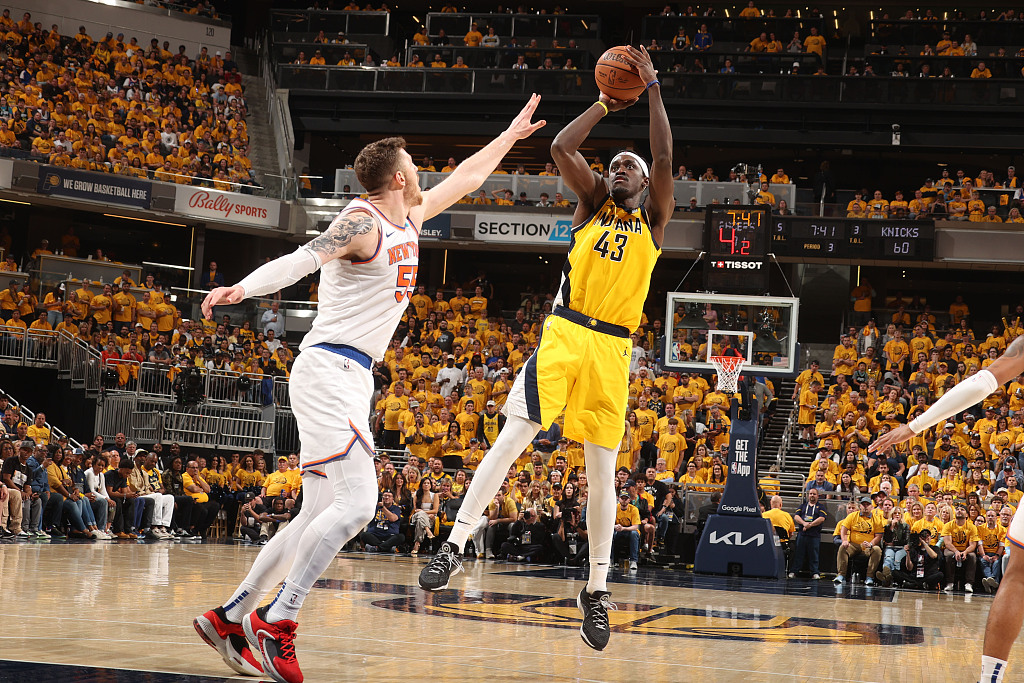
{"points": [[607, 250]]}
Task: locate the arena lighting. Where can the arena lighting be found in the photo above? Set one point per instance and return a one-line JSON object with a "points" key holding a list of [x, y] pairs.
{"points": [[144, 220], [14, 201]]}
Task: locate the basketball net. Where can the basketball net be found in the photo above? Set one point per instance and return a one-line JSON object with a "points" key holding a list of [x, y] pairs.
{"points": [[728, 369]]}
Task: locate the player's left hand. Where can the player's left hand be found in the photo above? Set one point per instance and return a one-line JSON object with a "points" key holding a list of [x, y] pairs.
{"points": [[641, 59], [221, 295], [896, 436], [521, 126]]}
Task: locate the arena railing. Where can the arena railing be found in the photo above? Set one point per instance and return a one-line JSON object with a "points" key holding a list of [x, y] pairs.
{"points": [[281, 187], [738, 87], [189, 303], [28, 348], [534, 185], [990, 34], [502, 57], [330, 22], [731, 29], [55, 432], [567, 26]]}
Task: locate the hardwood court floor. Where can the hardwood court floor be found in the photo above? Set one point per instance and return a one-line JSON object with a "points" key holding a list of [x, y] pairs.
{"points": [[123, 611]]}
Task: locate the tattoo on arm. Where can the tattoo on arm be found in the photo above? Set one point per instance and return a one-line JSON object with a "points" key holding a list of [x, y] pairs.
{"points": [[1015, 349], [337, 237]]}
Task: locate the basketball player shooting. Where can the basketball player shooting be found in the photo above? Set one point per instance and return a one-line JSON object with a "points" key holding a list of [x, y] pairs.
{"points": [[582, 362], [1006, 616], [368, 257]]}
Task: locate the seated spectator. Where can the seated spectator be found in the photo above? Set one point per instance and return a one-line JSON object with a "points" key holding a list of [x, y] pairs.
{"points": [[383, 531], [921, 567], [627, 527], [860, 533], [204, 510], [959, 545], [529, 539], [493, 526]]}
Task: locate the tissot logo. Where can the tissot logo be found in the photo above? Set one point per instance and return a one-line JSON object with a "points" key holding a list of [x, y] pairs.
{"points": [[735, 538]]}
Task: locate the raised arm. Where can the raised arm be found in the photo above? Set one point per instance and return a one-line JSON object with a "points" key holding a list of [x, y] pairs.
{"points": [[587, 184], [351, 234], [472, 173], [661, 200]]}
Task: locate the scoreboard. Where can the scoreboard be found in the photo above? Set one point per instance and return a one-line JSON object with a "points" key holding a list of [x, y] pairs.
{"points": [[853, 238]]}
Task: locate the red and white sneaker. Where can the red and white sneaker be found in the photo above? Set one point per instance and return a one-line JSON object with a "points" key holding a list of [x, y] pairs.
{"points": [[275, 642], [229, 641]]}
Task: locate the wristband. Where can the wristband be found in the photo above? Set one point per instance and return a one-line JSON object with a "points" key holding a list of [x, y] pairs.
{"points": [[654, 82], [605, 106]]}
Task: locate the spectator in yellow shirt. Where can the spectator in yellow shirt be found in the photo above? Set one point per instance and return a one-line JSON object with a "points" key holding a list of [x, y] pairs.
{"points": [[814, 42], [750, 11], [627, 527], [981, 71], [860, 533], [858, 207], [878, 207], [473, 38]]}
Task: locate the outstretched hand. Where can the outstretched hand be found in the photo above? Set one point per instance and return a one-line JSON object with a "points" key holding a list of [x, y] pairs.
{"points": [[892, 438], [221, 295], [521, 126]]}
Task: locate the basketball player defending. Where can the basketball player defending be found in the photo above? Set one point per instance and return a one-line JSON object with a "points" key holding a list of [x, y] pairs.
{"points": [[369, 257], [582, 363], [1005, 616]]}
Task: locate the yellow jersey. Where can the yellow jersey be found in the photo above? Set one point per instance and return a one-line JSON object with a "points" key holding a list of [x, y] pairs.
{"points": [[608, 272]]}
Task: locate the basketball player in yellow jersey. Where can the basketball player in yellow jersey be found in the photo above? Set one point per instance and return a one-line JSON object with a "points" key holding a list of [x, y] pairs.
{"points": [[582, 363]]}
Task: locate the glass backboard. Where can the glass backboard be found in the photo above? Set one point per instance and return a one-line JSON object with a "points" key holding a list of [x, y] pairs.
{"points": [[762, 329]]}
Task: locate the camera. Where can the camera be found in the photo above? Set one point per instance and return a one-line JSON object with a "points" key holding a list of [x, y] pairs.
{"points": [[188, 387]]}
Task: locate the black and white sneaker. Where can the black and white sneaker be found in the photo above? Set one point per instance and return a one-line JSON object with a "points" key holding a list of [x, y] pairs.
{"points": [[444, 565], [595, 606]]}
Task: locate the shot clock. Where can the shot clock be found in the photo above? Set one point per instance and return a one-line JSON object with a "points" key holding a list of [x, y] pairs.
{"points": [[736, 240]]}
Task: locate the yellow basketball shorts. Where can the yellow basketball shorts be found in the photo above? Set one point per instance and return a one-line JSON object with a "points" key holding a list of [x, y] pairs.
{"points": [[581, 371]]}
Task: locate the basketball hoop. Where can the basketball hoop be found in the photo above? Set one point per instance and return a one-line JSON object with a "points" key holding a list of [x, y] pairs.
{"points": [[728, 368]]}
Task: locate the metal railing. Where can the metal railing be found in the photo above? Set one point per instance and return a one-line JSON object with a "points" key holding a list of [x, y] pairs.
{"points": [[567, 26], [503, 57], [729, 29], [534, 185], [29, 416], [430, 80], [916, 32], [330, 22], [30, 348], [737, 87], [278, 116]]}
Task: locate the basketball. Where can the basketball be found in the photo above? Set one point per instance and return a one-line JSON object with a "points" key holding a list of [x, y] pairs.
{"points": [[616, 77]]}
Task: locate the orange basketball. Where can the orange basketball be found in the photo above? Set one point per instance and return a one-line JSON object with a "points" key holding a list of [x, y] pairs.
{"points": [[616, 77]]}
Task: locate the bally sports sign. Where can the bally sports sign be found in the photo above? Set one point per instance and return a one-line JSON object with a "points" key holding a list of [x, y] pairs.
{"points": [[231, 207]]}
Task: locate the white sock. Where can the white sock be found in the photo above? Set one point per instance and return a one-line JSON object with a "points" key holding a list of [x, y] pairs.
{"points": [[992, 669], [510, 444], [245, 599], [600, 511], [287, 603]]}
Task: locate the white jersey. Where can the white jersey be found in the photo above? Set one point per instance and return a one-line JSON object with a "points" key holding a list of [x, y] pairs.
{"points": [[361, 302]]}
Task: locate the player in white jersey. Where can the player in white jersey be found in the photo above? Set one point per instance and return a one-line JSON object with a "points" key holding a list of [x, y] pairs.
{"points": [[1007, 613], [368, 257]]}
